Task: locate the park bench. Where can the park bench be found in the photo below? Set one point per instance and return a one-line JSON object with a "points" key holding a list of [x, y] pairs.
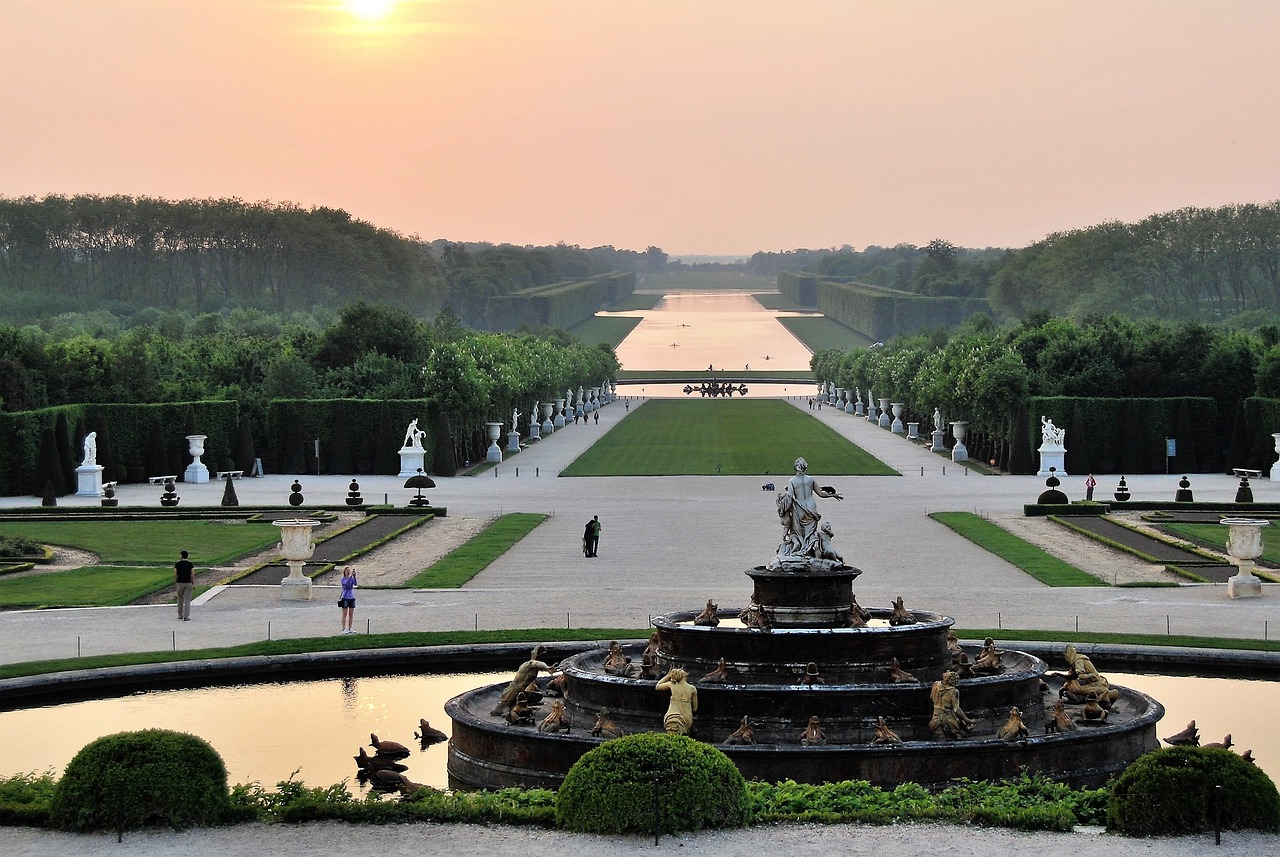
{"points": [[160, 480], [234, 474]]}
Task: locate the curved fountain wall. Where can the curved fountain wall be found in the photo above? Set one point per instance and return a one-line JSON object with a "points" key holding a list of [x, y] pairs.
{"points": [[765, 685]]}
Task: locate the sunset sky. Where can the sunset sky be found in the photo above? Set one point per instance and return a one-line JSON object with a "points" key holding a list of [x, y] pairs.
{"points": [[701, 126]]}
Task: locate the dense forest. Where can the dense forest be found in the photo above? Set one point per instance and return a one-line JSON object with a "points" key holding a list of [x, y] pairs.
{"points": [[68, 254]]}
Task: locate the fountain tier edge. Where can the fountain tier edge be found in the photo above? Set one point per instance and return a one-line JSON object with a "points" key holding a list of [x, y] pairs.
{"points": [[766, 685]]}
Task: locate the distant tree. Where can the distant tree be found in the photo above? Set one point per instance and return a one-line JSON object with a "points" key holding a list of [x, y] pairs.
{"points": [[62, 435]]}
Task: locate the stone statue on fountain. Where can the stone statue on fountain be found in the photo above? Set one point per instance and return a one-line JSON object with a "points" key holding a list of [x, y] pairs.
{"points": [[805, 546]]}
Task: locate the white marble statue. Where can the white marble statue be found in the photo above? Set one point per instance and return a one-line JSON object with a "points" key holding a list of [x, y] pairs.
{"points": [[803, 542], [937, 419], [413, 436], [90, 449], [515, 418], [1051, 434]]}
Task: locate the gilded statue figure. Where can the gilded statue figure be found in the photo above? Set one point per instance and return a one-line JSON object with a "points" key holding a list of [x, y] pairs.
{"points": [[684, 701], [1082, 677], [948, 720], [527, 672]]}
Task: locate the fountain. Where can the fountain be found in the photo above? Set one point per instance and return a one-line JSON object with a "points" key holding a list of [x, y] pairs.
{"points": [[806, 684]]}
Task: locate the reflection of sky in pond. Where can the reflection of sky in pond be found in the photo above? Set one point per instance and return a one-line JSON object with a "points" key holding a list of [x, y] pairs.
{"points": [[264, 732], [727, 330]]}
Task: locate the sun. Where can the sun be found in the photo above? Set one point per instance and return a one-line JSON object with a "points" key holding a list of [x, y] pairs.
{"points": [[371, 10]]}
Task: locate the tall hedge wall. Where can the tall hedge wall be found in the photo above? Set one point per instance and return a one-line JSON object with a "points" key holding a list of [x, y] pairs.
{"points": [[1128, 435], [559, 305], [356, 435], [799, 286], [129, 429], [1262, 419], [882, 313]]}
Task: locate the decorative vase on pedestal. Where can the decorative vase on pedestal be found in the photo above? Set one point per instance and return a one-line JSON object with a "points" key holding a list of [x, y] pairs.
{"points": [[959, 452], [196, 472], [296, 548], [1244, 543], [897, 427], [494, 452], [548, 408], [885, 420], [558, 421]]}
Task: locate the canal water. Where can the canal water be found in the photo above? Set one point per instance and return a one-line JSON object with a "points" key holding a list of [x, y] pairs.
{"points": [[266, 732]]}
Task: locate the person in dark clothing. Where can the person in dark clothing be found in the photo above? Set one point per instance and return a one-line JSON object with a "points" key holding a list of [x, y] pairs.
{"points": [[184, 578], [593, 536]]}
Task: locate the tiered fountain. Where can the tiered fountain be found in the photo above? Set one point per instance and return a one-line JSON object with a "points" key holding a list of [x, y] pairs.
{"points": [[805, 649]]}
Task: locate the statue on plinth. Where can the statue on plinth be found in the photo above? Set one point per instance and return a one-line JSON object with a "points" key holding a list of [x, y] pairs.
{"points": [[949, 720], [413, 436], [90, 449], [1050, 434], [803, 543]]}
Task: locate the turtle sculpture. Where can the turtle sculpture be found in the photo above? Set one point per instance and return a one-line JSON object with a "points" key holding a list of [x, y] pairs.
{"points": [[390, 749], [428, 734]]}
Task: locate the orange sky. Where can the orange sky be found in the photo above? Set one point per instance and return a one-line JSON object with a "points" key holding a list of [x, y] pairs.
{"points": [[701, 126]]}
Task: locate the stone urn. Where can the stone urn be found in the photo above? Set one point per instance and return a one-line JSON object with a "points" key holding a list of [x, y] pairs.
{"points": [[896, 426], [1244, 543], [196, 471], [558, 420], [548, 408], [296, 547], [494, 452], [885, 419], [958, 452]]}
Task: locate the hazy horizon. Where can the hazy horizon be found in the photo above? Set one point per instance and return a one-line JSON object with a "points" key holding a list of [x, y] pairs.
{"points": [[712, 128]]}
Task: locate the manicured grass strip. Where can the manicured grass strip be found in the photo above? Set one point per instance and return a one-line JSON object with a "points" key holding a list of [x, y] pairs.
{"points": [[95, 586], [821, 333], [303, 645], [610, 330], [1174, 641], [706, 437], [1215, 536], [466, 561], [1045, 568], [151, 542]]}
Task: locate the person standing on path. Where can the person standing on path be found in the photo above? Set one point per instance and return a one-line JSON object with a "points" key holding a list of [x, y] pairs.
{"points": [[184, 579], [593, 537], [597, 416], [347, 601], [1089, 485]]}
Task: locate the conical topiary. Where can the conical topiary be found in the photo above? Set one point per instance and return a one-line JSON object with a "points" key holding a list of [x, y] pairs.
{"points": [[49, 465], [229, 497]]}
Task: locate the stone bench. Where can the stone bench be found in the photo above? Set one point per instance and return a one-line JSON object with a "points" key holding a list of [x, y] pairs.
{"points": [[160, 480], [234, 474]]}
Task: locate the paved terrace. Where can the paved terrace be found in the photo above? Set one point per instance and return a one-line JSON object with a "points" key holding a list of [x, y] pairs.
{"points": [[668, 544]]}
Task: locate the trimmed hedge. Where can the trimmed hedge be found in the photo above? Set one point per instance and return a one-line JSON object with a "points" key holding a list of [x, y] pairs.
{"points": [[356, 435], [560, 305], [1128, 435], [137, 779], [616, 787], [883, 313], [1174, 791]]}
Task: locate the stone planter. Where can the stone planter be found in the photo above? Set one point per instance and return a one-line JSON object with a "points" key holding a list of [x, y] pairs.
{"points": [[958, 452], [1244, 544], [296, 547]]}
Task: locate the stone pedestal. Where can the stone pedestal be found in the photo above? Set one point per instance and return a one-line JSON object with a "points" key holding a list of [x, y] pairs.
{"points": [[1052, 456], [885, 420], [535, 430], [1244, 543], [896, 426], [494, 453], [851, 406], [89, 480], [959, 452], [513, 441], [196, 471], [1275, 471], [411, 461], [913, 431], [939, 441], [296, 548]]}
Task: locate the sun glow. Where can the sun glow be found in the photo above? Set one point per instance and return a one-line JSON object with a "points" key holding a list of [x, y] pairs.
{"points": [[371, 10]]}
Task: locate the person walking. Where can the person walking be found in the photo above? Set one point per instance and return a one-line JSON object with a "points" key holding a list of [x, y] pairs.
{"points": [[184, 579], [597, 416], [347, 601], [1089, 485]]}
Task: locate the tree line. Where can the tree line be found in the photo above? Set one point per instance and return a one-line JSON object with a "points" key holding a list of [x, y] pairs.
{"points": [[59, 253]]}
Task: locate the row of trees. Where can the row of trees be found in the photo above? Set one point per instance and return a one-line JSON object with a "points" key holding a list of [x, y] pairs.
{"points": [[60, 253], [986, 375]]}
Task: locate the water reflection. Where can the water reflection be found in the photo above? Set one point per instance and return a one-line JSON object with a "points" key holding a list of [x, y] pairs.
{"points": [[727, 330], [265, 732]]}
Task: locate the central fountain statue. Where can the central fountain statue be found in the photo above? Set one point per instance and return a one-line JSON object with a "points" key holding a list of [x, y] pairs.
{"points": [[805, 683]]}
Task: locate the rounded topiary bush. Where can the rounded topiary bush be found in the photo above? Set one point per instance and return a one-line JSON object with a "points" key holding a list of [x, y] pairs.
{"points": [[134, 779], [612, 788], [1171, 791]]}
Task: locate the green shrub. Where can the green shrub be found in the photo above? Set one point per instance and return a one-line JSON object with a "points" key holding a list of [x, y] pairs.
{"points": [[24, 799], [1171, 791], [17, 546], [133, 779], [615, 787]]}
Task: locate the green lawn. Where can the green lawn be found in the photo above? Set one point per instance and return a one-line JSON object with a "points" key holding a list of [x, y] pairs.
{"points": [[96, 586], [1216, 536], [703, 437], [1044, 567], [466, 561], [821, 333], [151, 542], [609, 330]]}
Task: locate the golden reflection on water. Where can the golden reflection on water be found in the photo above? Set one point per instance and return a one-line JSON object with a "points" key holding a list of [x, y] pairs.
{"points": [[727, 330], [265, 732]]}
